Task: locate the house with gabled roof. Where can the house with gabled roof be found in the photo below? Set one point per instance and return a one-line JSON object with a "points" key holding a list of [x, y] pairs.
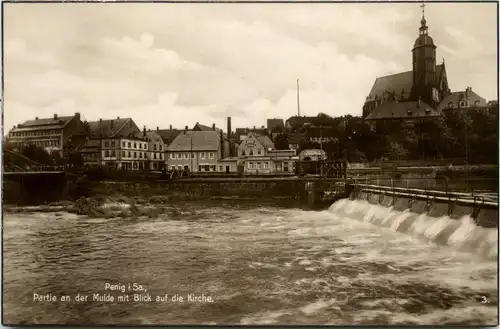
{"points": [[120, 145], [197, 151], [257, 155]]}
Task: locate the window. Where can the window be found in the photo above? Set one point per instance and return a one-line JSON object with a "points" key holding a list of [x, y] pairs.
{"points": [[154, 147], [199, 168], [140, 145], [257, 165], [211, 154], [173, 167], [251, 152], [160, 147], [178, 156], [250, 165], [258, 151], [129, 144], [106, 144], [123, 153], [112, 143], [202, 155], [140, 155], [221, 168], [172, 156], [106, 154], [462, 104], [135, 154], [129, 154], [213, 168], [193, 155], [124, 144], [179, 167], [186, 155], [154, 156], [243, 153], [145, 146], [113, 154], [266, 165]]}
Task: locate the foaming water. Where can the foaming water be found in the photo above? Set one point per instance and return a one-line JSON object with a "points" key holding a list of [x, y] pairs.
{"points": [[355, 263], [462, 234]]}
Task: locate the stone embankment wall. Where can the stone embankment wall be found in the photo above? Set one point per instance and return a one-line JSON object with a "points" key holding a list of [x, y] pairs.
{"points": [[484, 213], [200, 189]]}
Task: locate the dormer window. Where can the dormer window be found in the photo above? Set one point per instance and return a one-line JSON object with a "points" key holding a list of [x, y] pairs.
{"points": [[410, 112], [427, 111]]}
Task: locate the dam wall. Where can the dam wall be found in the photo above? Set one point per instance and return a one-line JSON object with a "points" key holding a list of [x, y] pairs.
{"points": [[483, 210]]}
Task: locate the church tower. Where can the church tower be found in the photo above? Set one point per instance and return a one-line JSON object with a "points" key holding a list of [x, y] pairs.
{"points": [[424, 65]]}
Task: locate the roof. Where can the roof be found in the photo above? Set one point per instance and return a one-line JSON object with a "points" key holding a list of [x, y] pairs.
{"points": [[195, 141], [398, 82], [125, 127], [273, 123], [321, 132], [402, 110], [320, 119], [264, 140], [168, 135], [456, 97], [229, 159], [46, 123]]}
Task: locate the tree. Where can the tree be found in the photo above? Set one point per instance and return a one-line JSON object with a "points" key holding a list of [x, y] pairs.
{"points": [[281, 142]]}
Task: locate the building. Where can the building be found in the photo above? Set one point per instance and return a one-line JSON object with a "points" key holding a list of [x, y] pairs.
{"points": [[312, 155], [295, 139], [157, 149], [198, 151], [462, 100], [275, 125], [54, 134], [295, 123], [257, 155], [116, 143], [419, 94]]}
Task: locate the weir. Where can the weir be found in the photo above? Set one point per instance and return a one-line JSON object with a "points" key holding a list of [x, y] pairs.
{"points": [[483, 210], [462, 234]]}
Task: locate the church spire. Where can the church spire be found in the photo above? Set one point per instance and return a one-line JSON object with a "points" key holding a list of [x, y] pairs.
{"points": [[423, 22]]}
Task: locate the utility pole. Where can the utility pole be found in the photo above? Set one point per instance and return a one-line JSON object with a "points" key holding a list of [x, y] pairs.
{"points": [[298, 99]]}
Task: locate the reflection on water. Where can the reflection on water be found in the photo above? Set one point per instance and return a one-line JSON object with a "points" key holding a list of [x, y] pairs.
{"points": [[352, 264]]}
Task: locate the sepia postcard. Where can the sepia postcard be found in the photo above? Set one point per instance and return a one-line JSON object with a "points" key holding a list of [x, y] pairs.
{"points": [[250, 163]]}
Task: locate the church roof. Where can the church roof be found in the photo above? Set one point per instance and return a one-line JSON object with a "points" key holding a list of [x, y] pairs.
{"points": [[397, 82], [402, 110]]}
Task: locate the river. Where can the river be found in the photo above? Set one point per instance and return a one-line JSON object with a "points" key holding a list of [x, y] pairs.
{"points": [[354, 263]]}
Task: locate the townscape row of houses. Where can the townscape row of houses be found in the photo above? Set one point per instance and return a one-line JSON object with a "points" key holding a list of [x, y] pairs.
{"points": [[120, 144], [420, 94]]}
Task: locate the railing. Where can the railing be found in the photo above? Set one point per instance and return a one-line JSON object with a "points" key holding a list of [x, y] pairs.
{"points": [[40, 168], [430, 194], [485, 188]]}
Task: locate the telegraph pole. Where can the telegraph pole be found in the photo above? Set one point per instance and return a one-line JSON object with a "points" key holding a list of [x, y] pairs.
{"points": [[298, 99]]}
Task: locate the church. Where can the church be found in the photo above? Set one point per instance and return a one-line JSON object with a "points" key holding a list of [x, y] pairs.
{"points": [[420, 93]]}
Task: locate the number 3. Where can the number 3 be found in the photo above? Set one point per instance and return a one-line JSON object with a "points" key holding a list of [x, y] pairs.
{"points": [[484, 300]]}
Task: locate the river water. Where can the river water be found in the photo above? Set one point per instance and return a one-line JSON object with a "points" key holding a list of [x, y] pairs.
{"points": [[352, 264]]}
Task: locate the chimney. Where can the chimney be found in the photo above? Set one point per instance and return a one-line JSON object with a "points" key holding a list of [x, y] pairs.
{"points": [[112, 124], [186, 128], [228, 127], [157, 128], [418, 105], [117, 118], [55, 116], [170, 127], [36, 118], [467, 92], [144, 131], [213, 126], [100, 120], [77, 115]]}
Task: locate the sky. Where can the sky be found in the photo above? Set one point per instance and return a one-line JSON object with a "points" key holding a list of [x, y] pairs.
{"points": [[168, 64]]}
